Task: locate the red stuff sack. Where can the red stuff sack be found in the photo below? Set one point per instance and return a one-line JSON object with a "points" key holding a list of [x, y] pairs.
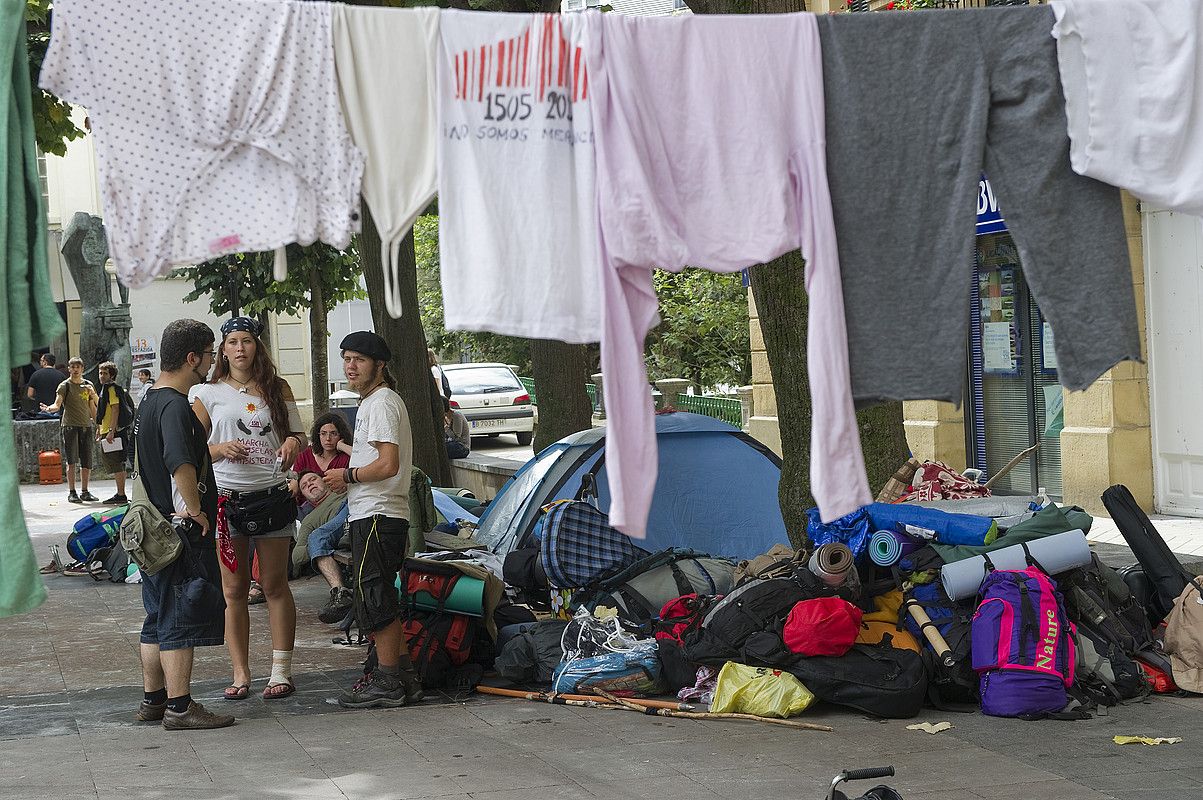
{"points": [[824, 626]]}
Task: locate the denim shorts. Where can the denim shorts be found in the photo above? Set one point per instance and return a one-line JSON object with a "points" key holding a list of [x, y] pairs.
{"points": [[378, 550], [324, 541], [171, 621]]}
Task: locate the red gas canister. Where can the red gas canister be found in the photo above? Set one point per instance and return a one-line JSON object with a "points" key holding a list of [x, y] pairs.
{"points": [[50, 467]]}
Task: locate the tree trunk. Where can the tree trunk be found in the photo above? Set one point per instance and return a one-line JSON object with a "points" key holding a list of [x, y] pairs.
{"points": [[407, 341], [883, 441], [560, 372], [319, 335], [781, 304]]}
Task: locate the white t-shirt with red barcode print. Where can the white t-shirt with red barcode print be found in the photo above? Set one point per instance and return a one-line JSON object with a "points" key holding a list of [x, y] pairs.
{"points": [[517, 208]]}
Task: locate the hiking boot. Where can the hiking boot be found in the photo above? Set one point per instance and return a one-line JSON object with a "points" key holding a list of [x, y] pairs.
{"points": [[72, 497], [117, 500], [196, 718], [413, 687], [341, 600], [150, 712], [87, 497], [375, 690]]}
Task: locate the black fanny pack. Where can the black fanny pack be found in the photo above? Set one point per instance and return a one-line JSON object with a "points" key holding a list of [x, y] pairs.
{"points": [[252, 513]]}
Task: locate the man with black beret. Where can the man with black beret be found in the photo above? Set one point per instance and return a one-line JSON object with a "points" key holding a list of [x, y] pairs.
{"points": [[377, 487]]}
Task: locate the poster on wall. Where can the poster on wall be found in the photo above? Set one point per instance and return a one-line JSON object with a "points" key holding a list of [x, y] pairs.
{"points": [[142, 349], [1000, 340], [1048, 352], [997, 353]]}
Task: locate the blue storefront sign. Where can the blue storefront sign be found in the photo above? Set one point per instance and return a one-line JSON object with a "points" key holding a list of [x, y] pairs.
{"points": [[989, 218]]}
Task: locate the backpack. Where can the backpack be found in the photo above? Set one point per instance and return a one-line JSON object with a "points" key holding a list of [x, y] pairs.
{"points": [[1099, 601], [679, 618], [112, 560], [580, 548], [878, 679], [754, 607], [951, 687], [1184, 638], [438, 643], [1103, 674], [440, 638], [1022, 644], [641, 591], [778, 562], [125, 408], [95, 531]]}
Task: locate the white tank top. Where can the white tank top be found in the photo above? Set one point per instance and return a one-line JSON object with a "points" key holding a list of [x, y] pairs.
{"points": [[238, 416]]}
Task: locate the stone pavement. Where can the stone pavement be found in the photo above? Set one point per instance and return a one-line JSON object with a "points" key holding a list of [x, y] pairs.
{"points": [[69, 681]]}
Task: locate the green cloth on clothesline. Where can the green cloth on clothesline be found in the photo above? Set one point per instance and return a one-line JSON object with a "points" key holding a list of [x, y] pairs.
{"points": [[28, 316]]}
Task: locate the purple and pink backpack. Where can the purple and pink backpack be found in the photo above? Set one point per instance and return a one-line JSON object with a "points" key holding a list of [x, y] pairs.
{"points": [[1023, 647]]}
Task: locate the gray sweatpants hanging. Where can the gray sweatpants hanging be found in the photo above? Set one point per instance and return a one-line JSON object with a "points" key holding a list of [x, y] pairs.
{"points": [[918, 105]]}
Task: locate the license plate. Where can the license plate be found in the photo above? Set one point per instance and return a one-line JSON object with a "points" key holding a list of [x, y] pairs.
{"points": [[486, 424]]}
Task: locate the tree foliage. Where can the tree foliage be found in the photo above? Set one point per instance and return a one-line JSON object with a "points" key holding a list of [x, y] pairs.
{"points": [[468, 345], [703, 333], [52, 123], [259, 293]]}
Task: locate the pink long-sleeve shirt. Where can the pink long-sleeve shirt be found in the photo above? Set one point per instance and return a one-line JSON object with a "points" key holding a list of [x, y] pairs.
{"points": [[705, 164]]}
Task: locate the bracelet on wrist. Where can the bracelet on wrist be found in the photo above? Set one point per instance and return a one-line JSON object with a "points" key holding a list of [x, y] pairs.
{"points": [[347, 476]]}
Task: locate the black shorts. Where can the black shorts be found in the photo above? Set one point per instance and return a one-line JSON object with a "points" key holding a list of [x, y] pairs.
{"points": [[378, 550], [77, 445], [172, 620]]}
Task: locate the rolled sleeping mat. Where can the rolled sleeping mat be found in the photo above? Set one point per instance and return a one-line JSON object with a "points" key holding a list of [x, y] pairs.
{"points": [[832, 562], [1054, 554], [930, 632], [931, 523], [887, 548]]}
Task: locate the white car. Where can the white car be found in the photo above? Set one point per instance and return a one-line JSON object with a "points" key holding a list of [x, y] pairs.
{"points": [[493, 400]]}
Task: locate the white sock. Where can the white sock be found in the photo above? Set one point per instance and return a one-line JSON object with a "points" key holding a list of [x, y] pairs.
{"points": [[281, 667]]}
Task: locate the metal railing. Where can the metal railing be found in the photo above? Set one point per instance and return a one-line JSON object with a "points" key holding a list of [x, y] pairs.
{"points": [[723, 408]]}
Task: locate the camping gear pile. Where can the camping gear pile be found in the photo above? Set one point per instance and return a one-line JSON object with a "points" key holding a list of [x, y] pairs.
{"points": [[988, 603]]}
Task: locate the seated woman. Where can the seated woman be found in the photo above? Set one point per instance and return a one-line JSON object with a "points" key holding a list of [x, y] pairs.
{"points": [[457, 431], [329, 448]]}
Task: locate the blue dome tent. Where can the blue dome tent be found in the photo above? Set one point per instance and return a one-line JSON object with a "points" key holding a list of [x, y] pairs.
{"points": [[716, 491]]}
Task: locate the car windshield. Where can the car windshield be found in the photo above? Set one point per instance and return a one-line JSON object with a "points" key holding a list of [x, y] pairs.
{"points": [[482, 380]]}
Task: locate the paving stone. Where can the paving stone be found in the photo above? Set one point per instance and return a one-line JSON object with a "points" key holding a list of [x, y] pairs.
{"points": [[370, 784], [660, 788], [1060, 789], [1189, 785]]}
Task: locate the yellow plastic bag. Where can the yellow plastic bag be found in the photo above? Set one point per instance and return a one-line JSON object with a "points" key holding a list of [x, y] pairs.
{"points": [[757, 690]]}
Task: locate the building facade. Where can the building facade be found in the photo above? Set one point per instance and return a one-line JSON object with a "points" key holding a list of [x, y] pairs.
{"points": [[70, 184]]}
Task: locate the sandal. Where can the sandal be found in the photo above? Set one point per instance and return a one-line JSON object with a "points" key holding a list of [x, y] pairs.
{"points": [[278, 691], [255, 595], [237, 691]]}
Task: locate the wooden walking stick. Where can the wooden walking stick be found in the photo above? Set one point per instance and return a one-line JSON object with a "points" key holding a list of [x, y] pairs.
{"points": [[664, 712], [546, 697]]}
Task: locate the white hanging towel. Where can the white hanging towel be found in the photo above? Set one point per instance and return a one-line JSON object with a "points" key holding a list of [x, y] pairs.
{"points": [[386, 73], [517, 209]]}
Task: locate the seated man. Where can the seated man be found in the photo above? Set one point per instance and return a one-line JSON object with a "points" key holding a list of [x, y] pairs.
{"points": [[457, 431], [318, 538]]}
